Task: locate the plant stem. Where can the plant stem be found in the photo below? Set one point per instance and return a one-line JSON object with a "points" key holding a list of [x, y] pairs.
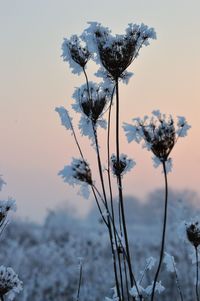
{"points": [[106, 205], [79, 282], [197, 273], [163, 233]]}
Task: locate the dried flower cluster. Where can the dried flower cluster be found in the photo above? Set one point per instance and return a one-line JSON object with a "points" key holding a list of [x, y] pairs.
{"points": [[124, 165], [193, 233], [10, 285], [78, 173], [159, 133]]}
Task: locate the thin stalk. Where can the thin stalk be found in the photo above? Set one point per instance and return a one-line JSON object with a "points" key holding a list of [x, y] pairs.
{"points": [[177, 281], [2, 298], [197, 273], [163, 232], [119, 182], [98, 205], [79, 282], [106, 205], [111, 193], [75, 138]]}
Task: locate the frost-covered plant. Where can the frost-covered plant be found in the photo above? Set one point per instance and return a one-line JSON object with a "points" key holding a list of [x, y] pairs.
{"points": [[159, 134], [193, 235], [114, 54], [10, 285]]}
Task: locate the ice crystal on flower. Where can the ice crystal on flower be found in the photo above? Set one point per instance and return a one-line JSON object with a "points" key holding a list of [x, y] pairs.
{"points": [[10, 285], [5, 207], [159, 134], [75, 52], [169, 261], [116, 53], [78, 173], [123, 166], [64, 116], [193, 233]]}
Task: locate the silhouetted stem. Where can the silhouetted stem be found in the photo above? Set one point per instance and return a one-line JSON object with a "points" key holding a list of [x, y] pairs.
{"points": [[163, 233], [121, 202], [197, 273], [79, 282]]}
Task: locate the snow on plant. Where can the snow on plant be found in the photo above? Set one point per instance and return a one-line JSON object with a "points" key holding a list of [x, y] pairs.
{"points": [[123, 166], [10, 285], [78, 173], [159, 134], [193, 235], [114, 54]]}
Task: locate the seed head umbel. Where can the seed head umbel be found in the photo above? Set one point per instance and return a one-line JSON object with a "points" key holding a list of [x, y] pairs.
{"points": [[193, 233]]}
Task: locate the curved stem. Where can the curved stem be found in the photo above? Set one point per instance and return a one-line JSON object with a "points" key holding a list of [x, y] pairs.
{"points": [[197, 273], [163, 233]]}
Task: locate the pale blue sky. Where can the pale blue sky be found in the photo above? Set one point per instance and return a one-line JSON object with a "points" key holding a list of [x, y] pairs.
{"points": [[34, 147]]}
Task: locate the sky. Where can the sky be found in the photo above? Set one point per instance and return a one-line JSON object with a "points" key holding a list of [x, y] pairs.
{"points": [[34, 80]]}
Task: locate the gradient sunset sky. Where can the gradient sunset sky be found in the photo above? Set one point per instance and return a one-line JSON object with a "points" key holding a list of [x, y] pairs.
{"points": [[34, 80]]}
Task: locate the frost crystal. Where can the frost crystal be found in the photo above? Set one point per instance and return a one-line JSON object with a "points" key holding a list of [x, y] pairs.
{"points": [[76, 53], [169, 262], [116, 53], [64, 116], [5, 207], [10, 285], [123, 166], [78, 173], [159, 134]]}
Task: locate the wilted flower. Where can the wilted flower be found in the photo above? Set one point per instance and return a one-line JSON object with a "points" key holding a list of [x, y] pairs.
{"points": [[76, 53], [2, 182], [116, 53], [10, 285], [123, 166], [78, 173], [159, 134], [193, 233], [5, 207]]}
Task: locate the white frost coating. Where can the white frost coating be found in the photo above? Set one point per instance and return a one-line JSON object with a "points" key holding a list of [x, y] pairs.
{"points": [[169, 261], [150, 263], [64, 116], [78, 173], [7, 205], [159, 288], [9, 282], [75, 52], [125, 164], [159, 133]]}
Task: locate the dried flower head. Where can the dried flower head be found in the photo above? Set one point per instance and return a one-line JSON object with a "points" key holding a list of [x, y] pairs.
{"points": [[193, 233], [76, 53], [5, 207], [10, 285], [159, 133], [116, 53], [92, 99], [123, 166], [78, 173]]}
